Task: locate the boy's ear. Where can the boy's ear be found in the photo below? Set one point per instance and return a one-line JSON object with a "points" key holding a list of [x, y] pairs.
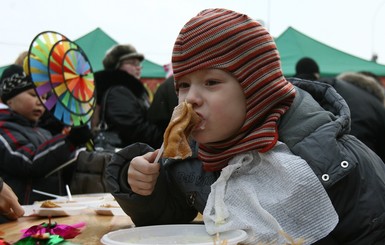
{"points": [[9, 102]]}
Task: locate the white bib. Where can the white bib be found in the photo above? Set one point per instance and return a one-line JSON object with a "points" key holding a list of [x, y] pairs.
{"points": [[265, 193]]}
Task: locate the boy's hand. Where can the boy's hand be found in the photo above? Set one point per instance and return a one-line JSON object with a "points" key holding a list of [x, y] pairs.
{"points": [[143, 174]]}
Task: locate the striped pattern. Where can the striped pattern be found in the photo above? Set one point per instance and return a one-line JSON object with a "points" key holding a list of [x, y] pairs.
{"points": [[223, 39]]}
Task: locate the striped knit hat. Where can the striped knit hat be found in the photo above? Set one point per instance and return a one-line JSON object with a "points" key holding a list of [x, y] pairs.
{"points": [[223, 39]]}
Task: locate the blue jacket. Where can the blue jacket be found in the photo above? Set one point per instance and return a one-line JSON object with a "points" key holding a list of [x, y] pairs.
{"points": [[353, 176]]}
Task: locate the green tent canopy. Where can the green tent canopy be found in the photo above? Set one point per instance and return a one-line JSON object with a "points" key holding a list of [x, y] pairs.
{"points": [[294, 45], [96, 43]]}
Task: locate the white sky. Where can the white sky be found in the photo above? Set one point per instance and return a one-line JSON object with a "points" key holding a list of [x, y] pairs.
{"points": [[353, 26]]}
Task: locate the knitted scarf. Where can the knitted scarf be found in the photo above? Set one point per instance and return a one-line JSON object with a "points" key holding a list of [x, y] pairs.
{"points": [[227, 40]]}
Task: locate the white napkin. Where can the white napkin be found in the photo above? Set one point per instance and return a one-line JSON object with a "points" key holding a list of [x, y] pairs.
{"points": [[265, 193]]}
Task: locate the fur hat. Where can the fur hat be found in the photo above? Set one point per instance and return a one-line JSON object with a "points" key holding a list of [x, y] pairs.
{"points": [[119, 53], [13, 82], [364, 82], [231, 41]]}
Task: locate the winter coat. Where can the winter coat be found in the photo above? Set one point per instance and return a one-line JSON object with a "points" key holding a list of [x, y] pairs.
{"points": [[126, 108], [163, 104], [27, 154], [353, 176], [367, 110]]}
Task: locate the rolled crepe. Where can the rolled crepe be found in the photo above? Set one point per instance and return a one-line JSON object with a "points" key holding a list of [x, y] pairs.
{"points": [[182, 122]]}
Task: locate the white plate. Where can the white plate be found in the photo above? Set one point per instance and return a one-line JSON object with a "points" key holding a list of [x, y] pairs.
{"points": [[28, 210], [76, 201], [106, 196], [170, 234], [108, 211], [81, 200], [63, 211], [108, 208]]}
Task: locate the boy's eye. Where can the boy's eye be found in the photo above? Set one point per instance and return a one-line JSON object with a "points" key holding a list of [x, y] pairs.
{"points": [[183, 85], [211, 82]]}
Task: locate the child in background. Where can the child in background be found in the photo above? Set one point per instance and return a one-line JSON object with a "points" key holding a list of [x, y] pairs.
{"points": [[27, 152], [244, 175]]}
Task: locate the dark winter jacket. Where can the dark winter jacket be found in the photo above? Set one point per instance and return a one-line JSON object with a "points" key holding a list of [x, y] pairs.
{"points": [[367, 111], [27, 154], [163, 104], [126, 108], [353, 176]]}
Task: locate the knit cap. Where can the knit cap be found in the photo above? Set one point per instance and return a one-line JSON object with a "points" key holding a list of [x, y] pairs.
{"points": [[13, 82], [231, 41]]}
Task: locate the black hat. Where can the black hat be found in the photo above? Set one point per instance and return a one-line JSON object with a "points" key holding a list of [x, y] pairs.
{"points": [[306, 66], [13, 82]]}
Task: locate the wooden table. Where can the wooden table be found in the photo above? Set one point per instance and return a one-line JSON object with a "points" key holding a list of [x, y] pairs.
{"points": [[96, 226]]}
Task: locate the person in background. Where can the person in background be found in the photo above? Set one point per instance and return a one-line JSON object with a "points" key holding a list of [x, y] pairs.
{"points": [[10, 208], [47, 121], [21, 58], [374, 76], [6, 73], [28, 153], [20, 62], [227, 66], [365, 81], [127, 102], [163, 104], [307, 68], [365, 98]]}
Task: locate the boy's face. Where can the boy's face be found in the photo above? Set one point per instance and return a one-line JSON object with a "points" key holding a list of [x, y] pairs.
{"points": [[27, 104], [218, 98]]}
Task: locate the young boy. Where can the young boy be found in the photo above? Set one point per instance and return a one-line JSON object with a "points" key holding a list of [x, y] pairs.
{"points": [[227, 66], [27, 152]]}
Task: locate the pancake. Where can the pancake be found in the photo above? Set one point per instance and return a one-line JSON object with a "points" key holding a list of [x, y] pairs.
{"points": [[177, 133]]}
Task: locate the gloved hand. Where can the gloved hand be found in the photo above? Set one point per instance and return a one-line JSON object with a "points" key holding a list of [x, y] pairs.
{"points": [[79, 135]]}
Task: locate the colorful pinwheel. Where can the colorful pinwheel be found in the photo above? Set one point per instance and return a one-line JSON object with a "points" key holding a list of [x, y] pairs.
{"points": [[61, 71]]}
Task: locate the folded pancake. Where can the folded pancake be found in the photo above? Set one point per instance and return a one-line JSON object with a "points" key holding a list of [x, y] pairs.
{"points": [[182, 122], [49, 204]]}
